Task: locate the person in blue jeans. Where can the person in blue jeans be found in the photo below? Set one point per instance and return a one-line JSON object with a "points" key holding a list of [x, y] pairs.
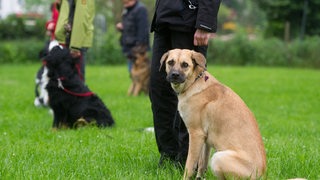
{"points": [[183, 24]]}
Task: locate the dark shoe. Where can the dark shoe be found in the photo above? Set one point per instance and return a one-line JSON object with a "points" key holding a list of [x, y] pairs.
{"points": [[182, 159], [169, 159], [164, 158]]}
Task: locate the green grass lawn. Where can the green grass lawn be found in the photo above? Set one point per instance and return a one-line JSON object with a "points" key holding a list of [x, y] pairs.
{"points": [[286, 103]]}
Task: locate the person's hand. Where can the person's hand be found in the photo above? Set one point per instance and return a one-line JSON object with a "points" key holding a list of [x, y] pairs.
{"points": [[201, 37], [67, 28], [119, 26], [75, 53]]}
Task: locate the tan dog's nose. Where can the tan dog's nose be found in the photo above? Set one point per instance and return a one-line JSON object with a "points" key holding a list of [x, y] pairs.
{"points": [[175, 77]]}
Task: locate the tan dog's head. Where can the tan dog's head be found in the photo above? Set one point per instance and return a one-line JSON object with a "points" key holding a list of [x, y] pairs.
{"points": [[182, 67]]}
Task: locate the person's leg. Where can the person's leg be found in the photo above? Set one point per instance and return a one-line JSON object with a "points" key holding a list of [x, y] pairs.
{"points": [[82, 63], [171, 134], [130, 64], [163, 101], [183, 40]]}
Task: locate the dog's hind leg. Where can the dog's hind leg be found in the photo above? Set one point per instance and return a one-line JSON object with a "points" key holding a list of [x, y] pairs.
{"points": [[109, 118], [228, 163], [105, 119], [81, 122], [203, 161]]}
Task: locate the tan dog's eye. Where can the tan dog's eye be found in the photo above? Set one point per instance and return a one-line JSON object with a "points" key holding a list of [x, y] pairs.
{"points": [[184, 65], [171, 62]]}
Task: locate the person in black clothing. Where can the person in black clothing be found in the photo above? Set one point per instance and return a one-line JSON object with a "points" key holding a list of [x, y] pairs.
{"points": [[184, 24], [134, 28]]}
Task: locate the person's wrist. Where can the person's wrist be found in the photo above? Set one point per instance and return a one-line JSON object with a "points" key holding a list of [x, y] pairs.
{"points": [[75, 53]]}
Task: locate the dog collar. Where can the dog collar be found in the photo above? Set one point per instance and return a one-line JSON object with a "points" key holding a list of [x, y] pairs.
{"points": [[200, 75], [71, 92]]}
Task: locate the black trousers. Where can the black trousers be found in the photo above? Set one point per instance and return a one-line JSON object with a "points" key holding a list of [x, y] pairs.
{"points": [[82, 63], [171, 134]]}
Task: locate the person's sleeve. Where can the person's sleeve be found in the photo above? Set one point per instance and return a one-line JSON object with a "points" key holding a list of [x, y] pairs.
{"points": [[142, 27], [60, 34], [207, 15], [82, 27]]}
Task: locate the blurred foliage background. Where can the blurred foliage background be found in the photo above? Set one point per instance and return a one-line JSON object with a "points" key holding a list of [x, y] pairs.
{"points": [[250, 32]]}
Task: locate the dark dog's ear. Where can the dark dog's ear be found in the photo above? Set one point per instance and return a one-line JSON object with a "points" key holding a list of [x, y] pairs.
{"points": [[163, 59], [199, 59]]}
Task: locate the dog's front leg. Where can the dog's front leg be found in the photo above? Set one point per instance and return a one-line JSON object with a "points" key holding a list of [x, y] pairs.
{"points": [[203, 160], [58, 117], [56, 122], [130, 90], [137, 89], [196, 143]]}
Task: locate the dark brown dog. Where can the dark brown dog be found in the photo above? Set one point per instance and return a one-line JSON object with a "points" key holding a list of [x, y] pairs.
{"points": [[216, 117], [140, 72]]}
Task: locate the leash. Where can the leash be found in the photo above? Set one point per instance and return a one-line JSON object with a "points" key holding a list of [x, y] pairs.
{"points": [[71, 92]]}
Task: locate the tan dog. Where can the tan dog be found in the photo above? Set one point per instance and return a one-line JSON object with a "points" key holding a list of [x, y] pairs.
{"points": [[215, 116], [140, 72]]}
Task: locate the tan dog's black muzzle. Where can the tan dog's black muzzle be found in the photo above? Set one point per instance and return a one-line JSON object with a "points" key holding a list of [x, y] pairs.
{"points": [[176, 77]]}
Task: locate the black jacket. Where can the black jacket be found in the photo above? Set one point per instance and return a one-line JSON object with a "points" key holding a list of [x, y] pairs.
{"points": [[136, 27], [176, 14]]}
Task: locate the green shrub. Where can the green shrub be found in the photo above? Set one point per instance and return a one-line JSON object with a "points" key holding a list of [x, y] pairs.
{"points": [[239, 50], [305, 53], [236, 51], [269, 52], [106, 48], [21, 27], [20, 51]]}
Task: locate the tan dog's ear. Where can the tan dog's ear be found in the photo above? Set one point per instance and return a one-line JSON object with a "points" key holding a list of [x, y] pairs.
{"points": [[199, 59], [163, 59]]}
